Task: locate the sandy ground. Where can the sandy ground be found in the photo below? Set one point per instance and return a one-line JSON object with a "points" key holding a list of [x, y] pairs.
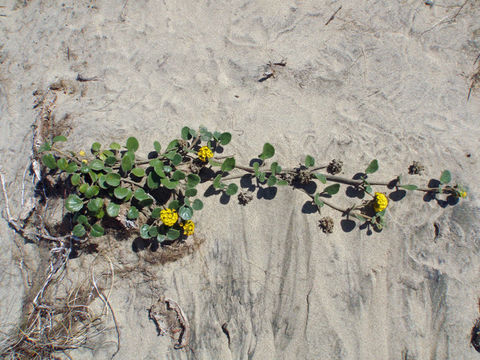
{"points": [[385, 80]]}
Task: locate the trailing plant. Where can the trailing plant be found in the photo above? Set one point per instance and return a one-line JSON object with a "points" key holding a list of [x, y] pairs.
{"points": [[158, 195]]}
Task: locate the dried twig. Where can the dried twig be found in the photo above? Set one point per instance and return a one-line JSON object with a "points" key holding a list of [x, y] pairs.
{"points": [[333, 16]]}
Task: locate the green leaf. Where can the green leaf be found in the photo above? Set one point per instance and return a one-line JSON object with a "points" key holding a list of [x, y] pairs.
{"points": [[84, 169], [62, 164], [121, 192], [214, 163], [132, 213], [173, 145], [71, 168], [193, 180], [321, 177], [45, 147], [59, 138], [268, 151], [169, 184], [111, 160], [96, 147], [332, 189], [75, 179], [79, 231], [96, 165], [167, 169], [113, 209], [93, 176], [132, 144], [372, 167], [177, 159], [82, 188], [272, 180], [153, 231], [408, 187], [144, 232], [173, 234], [197, 205], [217, 183], [178, 175], [358, 217], [49, 161], [115, 146], [225, 138], [190, 192], [113, 179], [185, 212], [186, 133], [282, 182], [261, 176], [309, 161], [368, 189], [216, 135], [275, 168], [97, 231], [138, 172], [228, 164], [102, 181], [317, 200], [232, 189], [94, 205], [140, 194], [127, 162], [156, 213], [158, 168], [446, 177], [73, 203], [174, 204], [153, 181], [157, 146], [80, 219], [92, 191]]}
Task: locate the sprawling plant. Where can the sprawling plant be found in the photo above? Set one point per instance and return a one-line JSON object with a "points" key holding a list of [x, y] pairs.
{"points": [[158, 195]]}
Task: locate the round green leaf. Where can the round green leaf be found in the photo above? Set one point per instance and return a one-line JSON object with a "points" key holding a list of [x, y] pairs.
{"points": [[173, 144], [132, 213], [173, 234], [110, 161], [228, 164], [79, 231], [192, 180], [322, 178], [169, 184], [115, 146], [225, 138], [231, 189], [80, 219], [132, 144], [96, 165], [82, 188], [309, 161], [59, 138], [113, 209], [153, 182], [177, 159], [372, 167], [121, 192], [113, 179], [94, 205], [157, 146], [317, 200], [197, 204], [446, 177], [102, 181], [144, 232], [62, 164], [185, 212], [96, 147], [138, 172], [153, 231], [127, 162], [75, 179], [190, 192], [49, 161], [272, 180], [92, 191], [178, 175], [268, 151], [97, 231], [408, 187], [156, 213], [72, 167], [174, 204], [45, 147], [186, 133], [332, 189], [84, 169], [140, 194], [73, 203]]}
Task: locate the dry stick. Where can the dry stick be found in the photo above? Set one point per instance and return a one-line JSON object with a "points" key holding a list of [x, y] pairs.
{"points": [[333, 16], [107, 303]]}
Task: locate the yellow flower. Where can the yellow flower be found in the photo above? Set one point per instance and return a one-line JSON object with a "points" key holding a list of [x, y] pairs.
{"points": [[380, 202], [188, 227], [205, 153], [85, 161], [463, 194], [81, 153], [169, 216]]}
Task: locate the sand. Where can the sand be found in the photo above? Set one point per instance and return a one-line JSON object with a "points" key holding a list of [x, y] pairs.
{"points": [[383, 80]]}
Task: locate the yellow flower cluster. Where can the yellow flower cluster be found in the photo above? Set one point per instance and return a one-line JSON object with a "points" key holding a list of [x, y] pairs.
{"points": [[205, 153], [462, 194], [380, 202], [169, 216], [81, 153], [188, 227]]}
